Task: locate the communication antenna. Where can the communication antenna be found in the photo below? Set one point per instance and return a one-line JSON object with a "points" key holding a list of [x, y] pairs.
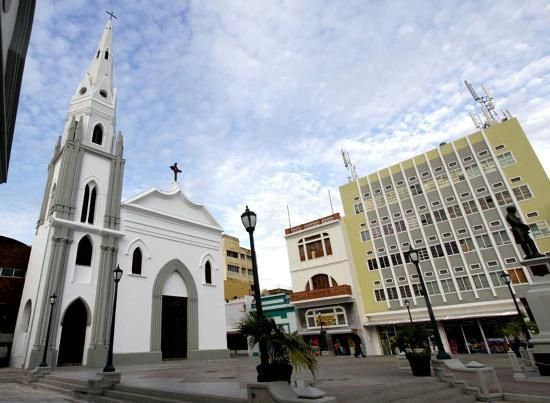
{"points": [[487, 107], [288, 213], [330, 199], [476, 120], [352, 174]]}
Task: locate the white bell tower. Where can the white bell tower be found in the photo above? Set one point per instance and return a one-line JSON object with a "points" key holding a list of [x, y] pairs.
{"points": [[75, 247]]}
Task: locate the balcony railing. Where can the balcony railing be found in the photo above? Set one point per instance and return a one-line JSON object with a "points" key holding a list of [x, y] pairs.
{"points": [[321, 293]]}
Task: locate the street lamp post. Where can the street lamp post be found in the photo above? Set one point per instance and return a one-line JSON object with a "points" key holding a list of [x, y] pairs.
{"points": [[506, 277], [407, 304], [441, 353], [248, 219], [117, 275], [53, 299]]}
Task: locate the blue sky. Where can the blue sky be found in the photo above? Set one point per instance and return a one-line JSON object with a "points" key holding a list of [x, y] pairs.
{"points": [[255, 99]]}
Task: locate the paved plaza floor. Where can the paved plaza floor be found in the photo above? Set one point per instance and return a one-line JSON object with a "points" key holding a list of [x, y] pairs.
{"points": [[347, 378]]}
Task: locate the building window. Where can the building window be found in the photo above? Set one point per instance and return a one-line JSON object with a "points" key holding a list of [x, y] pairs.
{"points": [[500, 147], [84, 252], [517, 276], [496, 223], [405, 291], [432, 288], [482, 153], [457, 176], [320, 281], [232, 254], [432, 238], [454, 211], [539, 229], [233, 269], [522, 192], [88, 203], [515, 179], [451, 248], [376, 232], [136, 261], [316, 246], [426, 219], [107, 54], [497, 185], [388, 229], [440, 215], [379, 295], [416, 189], [510, 260], [483, 241], [501, 238], [488, 165], [417, 289], [392, 293], [481, 190], [207, 273], [486, 202], [452, 164], [458, 269], [358, 208], [531, 214], [492, 263], [373, 264], [506, 159], [437, 251], [396, 259], [480, 281], [384, 262], [467, 245], [463, 283], [97, 135], [470, 207], [478, 227], [331, 316], [365, 235], [503, 198], [400, 226], [446, 235], [496, 279], [447, 286]]}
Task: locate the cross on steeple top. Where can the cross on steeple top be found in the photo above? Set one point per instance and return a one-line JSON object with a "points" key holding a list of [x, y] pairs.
{"points": [[112, 15]]}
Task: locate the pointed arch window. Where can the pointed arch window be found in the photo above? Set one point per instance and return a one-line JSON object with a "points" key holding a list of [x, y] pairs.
{"points": [[97, 135], [107, 54], [98, 52], [137, 258], [84, 252], [88, 203], [208, 273]]}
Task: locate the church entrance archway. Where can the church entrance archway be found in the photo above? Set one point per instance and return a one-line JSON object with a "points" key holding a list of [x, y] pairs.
{"points": [[174, 314], [73, 334]]}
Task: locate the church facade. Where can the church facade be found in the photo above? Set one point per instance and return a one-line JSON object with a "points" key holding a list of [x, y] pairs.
{"points": [[170, 298]]}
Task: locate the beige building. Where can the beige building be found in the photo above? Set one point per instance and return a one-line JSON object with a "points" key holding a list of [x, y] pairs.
{"points": [[238, 277]]}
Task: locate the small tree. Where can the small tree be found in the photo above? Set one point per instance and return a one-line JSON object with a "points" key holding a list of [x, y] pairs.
{"points": [[282, 347]]}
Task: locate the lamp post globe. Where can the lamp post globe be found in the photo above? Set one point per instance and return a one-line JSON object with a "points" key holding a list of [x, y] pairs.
{"points": [[506, 278], [117, 275], [441, 353], [44, 363], [248, 218]]}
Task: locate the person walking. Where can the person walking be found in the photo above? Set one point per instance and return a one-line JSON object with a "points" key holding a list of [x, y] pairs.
{"points": [[357, 341]]}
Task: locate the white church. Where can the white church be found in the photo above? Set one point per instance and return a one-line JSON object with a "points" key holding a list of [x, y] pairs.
{"points": [[170, 297]]}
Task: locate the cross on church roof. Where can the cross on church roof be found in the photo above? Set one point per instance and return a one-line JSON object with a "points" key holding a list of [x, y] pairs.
{"points": [[176, 171], [112, 15]]}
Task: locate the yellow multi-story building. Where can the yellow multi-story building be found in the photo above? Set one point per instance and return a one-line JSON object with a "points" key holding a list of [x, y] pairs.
{"points": [[449, 203], [238, 276]]}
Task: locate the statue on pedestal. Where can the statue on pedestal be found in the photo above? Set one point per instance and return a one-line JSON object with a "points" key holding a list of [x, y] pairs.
{"points": [[521, 233]]}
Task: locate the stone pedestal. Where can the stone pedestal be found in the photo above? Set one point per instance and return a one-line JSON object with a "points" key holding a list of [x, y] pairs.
{"points": [[538, 297]]}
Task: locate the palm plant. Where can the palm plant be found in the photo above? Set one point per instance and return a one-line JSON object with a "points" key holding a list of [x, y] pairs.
{"points": [[282, 348]]}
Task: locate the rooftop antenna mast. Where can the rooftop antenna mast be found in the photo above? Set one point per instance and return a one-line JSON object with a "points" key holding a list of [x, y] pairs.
{"points": [[352, 174], [487, 107]]}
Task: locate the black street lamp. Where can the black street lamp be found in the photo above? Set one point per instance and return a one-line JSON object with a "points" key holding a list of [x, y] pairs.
{"points": [[407, 304], [322, 338], [117, 275], [53, 299], [441, 353], [248, 219], [506, 277]]}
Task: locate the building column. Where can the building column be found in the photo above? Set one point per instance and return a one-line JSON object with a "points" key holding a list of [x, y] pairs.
{"points": [[443, 335]]}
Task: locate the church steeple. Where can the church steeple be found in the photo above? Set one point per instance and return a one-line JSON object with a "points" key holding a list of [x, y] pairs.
{"points": [[100, 73], [101, 67], [96, 97]]}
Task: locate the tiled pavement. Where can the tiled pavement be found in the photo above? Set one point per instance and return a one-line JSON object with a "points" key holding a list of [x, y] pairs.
{"points": [[347, 378]]}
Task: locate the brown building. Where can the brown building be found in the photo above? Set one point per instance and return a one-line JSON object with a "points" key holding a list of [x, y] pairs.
{"points": [[14, 257], [238, 277]]}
